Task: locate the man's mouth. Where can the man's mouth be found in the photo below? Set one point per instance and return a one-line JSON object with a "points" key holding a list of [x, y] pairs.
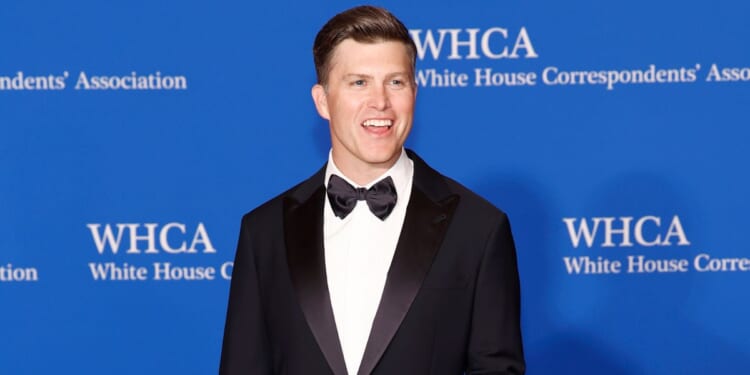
{"points": [[378, 123]]}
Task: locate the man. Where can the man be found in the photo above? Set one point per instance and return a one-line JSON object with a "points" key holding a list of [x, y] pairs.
{"points": [[377, 264]]}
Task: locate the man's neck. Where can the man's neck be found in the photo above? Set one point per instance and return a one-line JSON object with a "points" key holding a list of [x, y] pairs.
{"points": [[364, 173]]}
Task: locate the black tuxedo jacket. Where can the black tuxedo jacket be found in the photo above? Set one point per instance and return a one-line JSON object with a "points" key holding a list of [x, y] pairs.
{"points": [[450, 303]]}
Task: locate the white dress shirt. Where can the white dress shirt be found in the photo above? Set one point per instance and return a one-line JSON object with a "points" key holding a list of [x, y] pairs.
{"points": [[358, 254]]}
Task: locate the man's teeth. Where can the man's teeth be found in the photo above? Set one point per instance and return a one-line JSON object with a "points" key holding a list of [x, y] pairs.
{"points": [[378, 123]]}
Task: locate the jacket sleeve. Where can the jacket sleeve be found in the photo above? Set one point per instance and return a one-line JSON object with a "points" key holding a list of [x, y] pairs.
{"points": [[495, 341], [245, 348]]}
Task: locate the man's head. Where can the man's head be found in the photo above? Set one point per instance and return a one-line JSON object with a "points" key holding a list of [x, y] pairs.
{"points": [[364, 24], [366, 89]]}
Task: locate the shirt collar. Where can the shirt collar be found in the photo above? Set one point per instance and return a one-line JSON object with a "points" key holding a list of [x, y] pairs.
{"points": [[401, 172]]}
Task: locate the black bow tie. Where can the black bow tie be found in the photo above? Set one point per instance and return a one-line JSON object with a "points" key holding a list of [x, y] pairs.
{"points": [[381, 197]]}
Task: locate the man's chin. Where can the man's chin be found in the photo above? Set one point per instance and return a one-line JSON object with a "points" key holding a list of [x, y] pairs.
{"points": [[382, 158]]}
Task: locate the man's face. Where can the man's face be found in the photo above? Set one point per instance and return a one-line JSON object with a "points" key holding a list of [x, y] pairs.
{"points": [[369, 103]]}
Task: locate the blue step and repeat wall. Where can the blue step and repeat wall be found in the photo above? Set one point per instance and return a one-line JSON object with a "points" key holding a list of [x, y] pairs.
{"points": [[136, 133]]}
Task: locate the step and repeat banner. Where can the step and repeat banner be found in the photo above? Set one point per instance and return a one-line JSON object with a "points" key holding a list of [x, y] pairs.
{"points": [[135, 134]]}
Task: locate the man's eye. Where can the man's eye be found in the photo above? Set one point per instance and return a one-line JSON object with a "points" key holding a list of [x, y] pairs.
{"points": [[398, 83], [359, 82]]}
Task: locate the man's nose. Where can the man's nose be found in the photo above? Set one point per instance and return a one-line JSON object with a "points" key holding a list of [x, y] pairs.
{"points": [[379, 98]]}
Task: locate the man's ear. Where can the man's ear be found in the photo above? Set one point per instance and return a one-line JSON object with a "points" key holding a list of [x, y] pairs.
{"points": [[321, 101]]}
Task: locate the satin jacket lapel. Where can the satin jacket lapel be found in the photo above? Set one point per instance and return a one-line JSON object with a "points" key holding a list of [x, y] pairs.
{"points": [[303, 232], [427, 217]]}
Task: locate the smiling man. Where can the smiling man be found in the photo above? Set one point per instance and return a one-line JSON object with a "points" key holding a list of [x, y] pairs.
{"points": [[377, 264], [368, 98]]}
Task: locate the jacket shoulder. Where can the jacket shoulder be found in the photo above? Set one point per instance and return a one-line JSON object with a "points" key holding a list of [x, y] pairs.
{"points": [[274, 206], [438, 186], [474, 202]]}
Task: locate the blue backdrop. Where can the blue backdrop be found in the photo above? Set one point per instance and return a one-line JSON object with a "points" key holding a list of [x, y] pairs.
{"points": [[136, 133]]}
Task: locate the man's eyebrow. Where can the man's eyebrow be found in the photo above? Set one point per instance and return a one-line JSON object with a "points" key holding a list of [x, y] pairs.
{"points": [[357, 75], [397, 74], [362, 75]]}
